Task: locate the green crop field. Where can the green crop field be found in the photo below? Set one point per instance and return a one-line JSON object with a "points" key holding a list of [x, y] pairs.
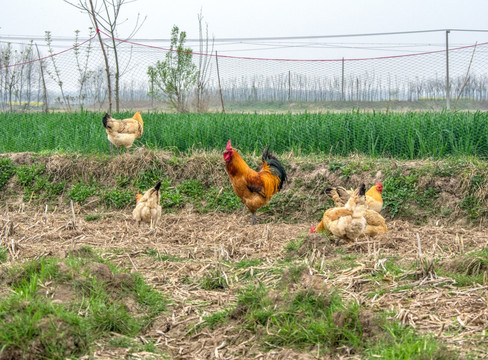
{"points": [[399, 135]]}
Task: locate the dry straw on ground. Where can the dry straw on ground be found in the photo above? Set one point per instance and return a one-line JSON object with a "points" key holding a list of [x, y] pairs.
{"points": [[190, 246]]}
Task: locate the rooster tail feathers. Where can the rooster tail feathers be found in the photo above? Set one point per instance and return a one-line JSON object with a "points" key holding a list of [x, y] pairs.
{"points": [[275, 166], [105, 119], [267, 154]]}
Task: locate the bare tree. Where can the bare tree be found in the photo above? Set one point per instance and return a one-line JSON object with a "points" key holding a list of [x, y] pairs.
{"points": [[55, 73], [204, 63], [23, 91], [9, 76], [42, 82], [82, 67], [106, 15]]}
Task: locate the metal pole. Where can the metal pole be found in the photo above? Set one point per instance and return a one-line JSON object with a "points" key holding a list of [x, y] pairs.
{"points": [[448, 86], [220, 86], [342, 89], [289, 85]]}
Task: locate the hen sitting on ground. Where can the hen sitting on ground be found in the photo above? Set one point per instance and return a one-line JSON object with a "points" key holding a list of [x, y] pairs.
{"points": [[374, 200], [353, 219]]}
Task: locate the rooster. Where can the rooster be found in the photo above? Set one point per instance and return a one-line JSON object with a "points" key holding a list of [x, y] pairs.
{"points": [[374, 200], [123, 132], [254, 188], [148, 207]]}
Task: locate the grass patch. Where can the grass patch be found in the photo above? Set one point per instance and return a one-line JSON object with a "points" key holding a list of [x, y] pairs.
{"points": [[247, 263], [294, 245], [214, 279], [163, 257], [81, 191], [3, 254], [37, 184], [216, 319], [57, 308], [303, 319], [468, 269], [93, 217], [7, 170]]}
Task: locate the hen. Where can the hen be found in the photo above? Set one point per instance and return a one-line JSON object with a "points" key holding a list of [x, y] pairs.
{"points": [[254, 188], [374, 200], [375, 223], [123, 132], [353, 219], [346, 222], [148, 207]]}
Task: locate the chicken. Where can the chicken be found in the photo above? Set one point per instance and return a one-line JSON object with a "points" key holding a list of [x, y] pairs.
{"points": [[254, 188], [148, 207], [123, 132], [374, 201], [352, 220], [348, 221], [375, 223]]}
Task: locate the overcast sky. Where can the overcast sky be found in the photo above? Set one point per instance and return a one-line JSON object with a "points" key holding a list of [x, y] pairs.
{"points": [[261, 18]]}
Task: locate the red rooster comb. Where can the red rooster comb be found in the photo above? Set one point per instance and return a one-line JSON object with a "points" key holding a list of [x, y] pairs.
{"points": [[379, 187], [229, 146], [312, 230]]}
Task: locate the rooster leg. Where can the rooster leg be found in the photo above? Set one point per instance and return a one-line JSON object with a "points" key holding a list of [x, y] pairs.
{"points": [[253, 219]]}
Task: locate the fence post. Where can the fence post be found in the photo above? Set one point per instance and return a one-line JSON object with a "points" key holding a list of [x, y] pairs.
{"points": [[220, 86], [448, 86], [152, 92], [289, 85], [342, 85]]}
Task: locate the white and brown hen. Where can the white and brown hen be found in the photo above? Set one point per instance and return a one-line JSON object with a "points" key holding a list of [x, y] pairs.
{"points": [[148, 207], [352, 220], [123, 133]]}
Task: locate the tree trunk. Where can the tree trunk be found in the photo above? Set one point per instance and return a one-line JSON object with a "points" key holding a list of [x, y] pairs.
{"points": [[107, 68]]}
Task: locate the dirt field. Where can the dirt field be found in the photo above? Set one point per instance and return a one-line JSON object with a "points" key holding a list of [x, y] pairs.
{"points": [[190, 245]]}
